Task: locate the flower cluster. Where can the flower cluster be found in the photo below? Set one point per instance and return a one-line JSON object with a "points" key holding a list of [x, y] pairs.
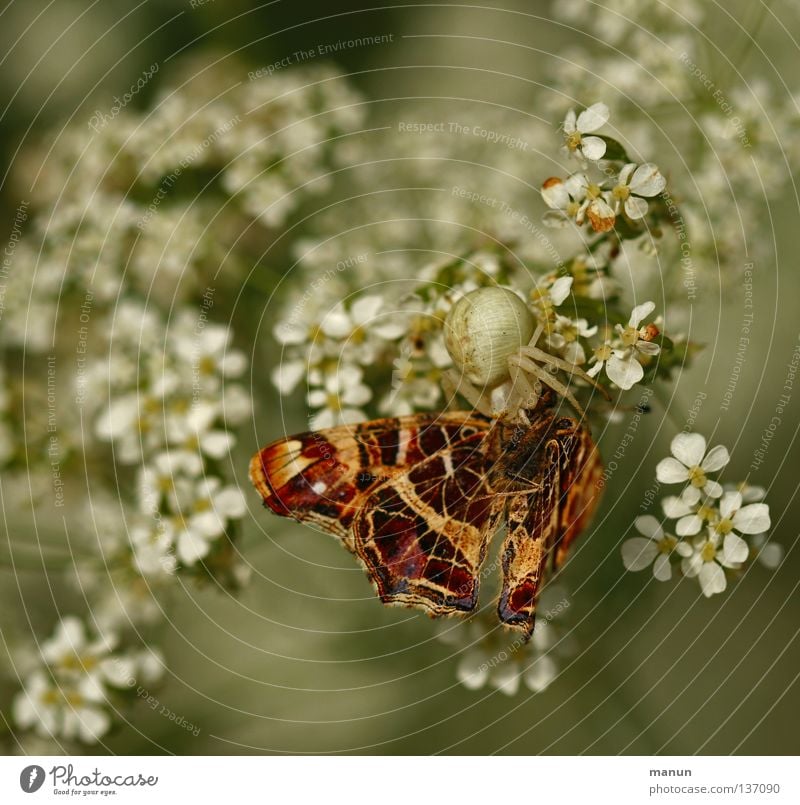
{"points": [[340, 347], [70, 690], [488, 656], [622, 190], [728, 144], [173, 402], [713, 524]]}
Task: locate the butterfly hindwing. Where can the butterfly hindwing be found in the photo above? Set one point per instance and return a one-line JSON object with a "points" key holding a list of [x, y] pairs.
{"points": [[542, 523]]}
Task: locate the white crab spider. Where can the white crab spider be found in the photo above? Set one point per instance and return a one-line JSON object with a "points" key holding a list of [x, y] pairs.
{"points": [[492, 337]]}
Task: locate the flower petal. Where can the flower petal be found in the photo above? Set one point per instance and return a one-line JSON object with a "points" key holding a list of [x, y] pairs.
{"points": [[540, 674], [688, 448], [625, 373], [648, 526], [638, 553], [554, 194], [752, 519], [592, 118], [735, 548], [601, 216], [641, 312], [771, 555], [716, 459], [688, 526], [712, 488], [647, 180], [636, 208], [671, 471], [731, 502], [712, 579], [473, 670], [560, 289], [191, 547], [662, 569], [675, 507], [593, 148]]}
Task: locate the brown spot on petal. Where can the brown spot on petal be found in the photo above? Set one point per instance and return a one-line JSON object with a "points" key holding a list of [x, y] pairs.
{"points": [[599, 222]]}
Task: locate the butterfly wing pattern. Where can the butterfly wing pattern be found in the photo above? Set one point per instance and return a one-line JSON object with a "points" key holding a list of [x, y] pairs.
{"points": [[418, 499], [558, 455]]}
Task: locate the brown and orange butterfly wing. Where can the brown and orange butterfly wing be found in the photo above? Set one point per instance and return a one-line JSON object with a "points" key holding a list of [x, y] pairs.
{"points": [[325, 477], [543, 523], [423, 536]]}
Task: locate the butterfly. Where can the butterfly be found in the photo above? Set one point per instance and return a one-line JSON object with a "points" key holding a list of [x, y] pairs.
{"points": [[418, 498]]}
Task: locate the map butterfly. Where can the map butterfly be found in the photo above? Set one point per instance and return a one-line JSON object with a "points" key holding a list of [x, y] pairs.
{"points": [[418, 498]]}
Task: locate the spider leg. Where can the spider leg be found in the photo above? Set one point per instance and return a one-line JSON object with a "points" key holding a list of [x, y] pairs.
{"points": [[545, 377], [571, 368], [524, 394], [454, 384]]}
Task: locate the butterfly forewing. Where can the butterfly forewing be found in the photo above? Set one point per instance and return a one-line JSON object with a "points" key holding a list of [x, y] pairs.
{"points": [[423, 535], [324, 477]]}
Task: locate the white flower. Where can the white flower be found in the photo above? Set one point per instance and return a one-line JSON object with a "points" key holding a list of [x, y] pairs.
{"points": [[769, 554], [547, 295], [69, 652], [153, 550], [620, 358], [689, 511], [67, 700], [69, 711], [733, 517], [208, 353], [340, 399], [689, 462], [575, 129], [706, 563], [565, 338], [655, 548], [204, 518], [363, 326], [634, 184], [576, 199]]}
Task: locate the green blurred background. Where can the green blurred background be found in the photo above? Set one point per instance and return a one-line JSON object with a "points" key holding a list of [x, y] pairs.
{"points": [[283, 669]]}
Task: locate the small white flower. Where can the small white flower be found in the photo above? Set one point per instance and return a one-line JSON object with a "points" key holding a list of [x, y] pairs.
{"points": [[689, 462], [576, 143], [200, 522], [565, 338], [634, 184], [153, 553], [769, 554], [68, 699], [706, 563], [340, 399], [547, 295], [733, 516], [363, 326], [576, 199], [620, 357], [654, 547], [208, 353], [72, 711]]}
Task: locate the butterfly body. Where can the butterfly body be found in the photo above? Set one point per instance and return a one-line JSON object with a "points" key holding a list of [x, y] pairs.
{"points": [[418, 499]]}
